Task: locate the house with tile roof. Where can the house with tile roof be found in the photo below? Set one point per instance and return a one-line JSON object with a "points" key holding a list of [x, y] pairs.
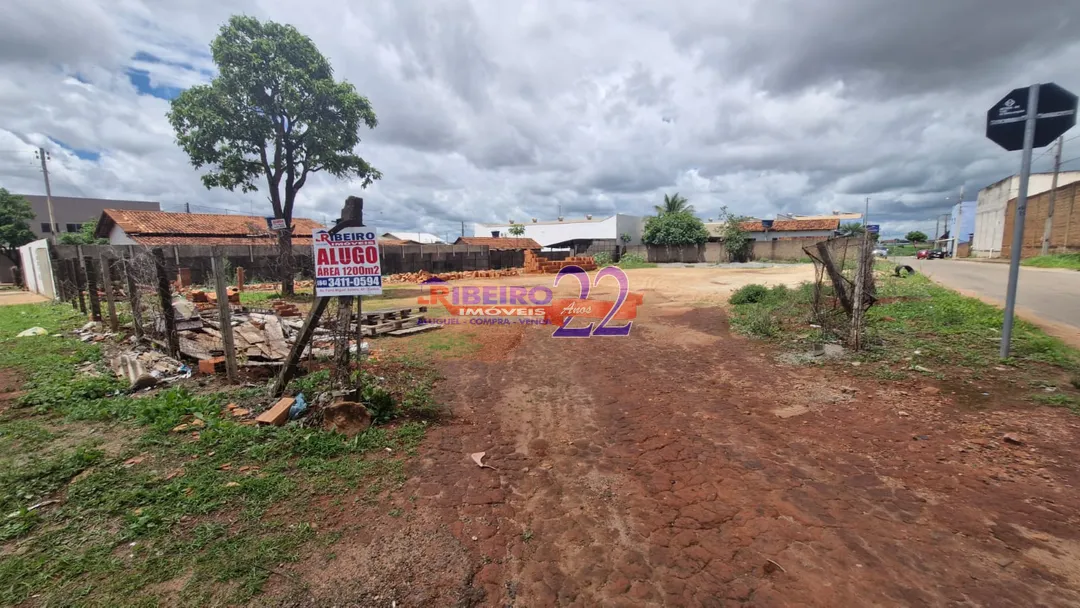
{"points": [[774, 230], [160, 228], [499, 243]]}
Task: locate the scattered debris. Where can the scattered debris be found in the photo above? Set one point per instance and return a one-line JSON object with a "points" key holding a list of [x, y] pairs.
{"points": [[346, 417], [922, 369], [195, 423], [478, 458], [1013, 439], [771, 566], [298, 408], [33, 331], [921, 438], [423, 275]]}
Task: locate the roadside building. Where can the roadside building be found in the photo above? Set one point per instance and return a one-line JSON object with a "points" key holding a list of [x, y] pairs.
{"points": [[1065, 231], [422, 238], [773, 230], [991, 208], [69, 213], [159, 228], [581, 235]]}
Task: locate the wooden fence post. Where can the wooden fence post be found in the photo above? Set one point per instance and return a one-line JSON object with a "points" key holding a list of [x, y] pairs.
{"points": [[80, 280], [92, 288], [133, 294], [217, 265], [168, 314], [303, 338], [110, 297], [340, 372]]}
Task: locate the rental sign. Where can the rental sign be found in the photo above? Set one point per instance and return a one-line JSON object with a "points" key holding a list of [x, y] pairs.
{"points": [[347, 263]]}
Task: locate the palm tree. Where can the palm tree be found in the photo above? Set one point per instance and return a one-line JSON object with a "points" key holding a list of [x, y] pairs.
{"points": [[674, 204], [851, 229]]}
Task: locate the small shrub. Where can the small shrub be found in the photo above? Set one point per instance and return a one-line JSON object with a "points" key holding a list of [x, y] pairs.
{"points": [[602, 259], [633, 260], [380, 403], [749, 294], [758, 322]]}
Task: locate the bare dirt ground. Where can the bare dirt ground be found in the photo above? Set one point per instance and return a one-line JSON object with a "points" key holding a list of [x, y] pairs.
{"points": [[684, 466], [11, 297]]}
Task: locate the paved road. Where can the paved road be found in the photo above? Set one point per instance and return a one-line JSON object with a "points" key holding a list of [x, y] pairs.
{"points": [[1049, 295]]}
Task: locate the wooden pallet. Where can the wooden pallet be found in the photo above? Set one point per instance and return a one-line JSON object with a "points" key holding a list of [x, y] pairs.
{"points": [[375, 316], [419, 329], [392, 325]]}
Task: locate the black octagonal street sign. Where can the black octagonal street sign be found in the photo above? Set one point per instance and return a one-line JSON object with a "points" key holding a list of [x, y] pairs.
{"points": [[1056, 115]]}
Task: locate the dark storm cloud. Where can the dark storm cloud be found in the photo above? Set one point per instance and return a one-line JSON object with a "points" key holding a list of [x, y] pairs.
{"points": [[891, 48]]}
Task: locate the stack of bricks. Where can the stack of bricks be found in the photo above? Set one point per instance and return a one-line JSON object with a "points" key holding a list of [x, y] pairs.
{"points": [[285, 309], [537, 264]]}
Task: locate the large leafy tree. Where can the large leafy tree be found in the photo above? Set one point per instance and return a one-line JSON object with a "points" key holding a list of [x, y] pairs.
{"points": [[673, 203], [678, 228], [272, 117], [915, 236], [15, 216]]}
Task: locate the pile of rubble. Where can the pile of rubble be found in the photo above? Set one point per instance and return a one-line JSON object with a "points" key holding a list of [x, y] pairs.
{"points": [[423, 275], [207, 300]]}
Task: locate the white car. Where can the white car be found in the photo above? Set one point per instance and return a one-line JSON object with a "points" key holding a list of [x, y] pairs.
{"points": [[881, 252]]}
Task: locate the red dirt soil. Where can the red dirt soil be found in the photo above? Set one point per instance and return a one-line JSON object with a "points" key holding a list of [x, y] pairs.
{"points": [[683, 466]]}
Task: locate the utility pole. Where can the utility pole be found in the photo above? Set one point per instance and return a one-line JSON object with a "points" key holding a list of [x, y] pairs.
{"points": [[959, 223], [1053, 194], [48, 193], [187, 207], [866, 215], [462, 227]]}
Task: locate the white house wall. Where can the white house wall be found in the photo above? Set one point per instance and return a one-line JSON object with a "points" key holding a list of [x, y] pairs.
{"points": [[549, 233], [117, 236], [993, 202]]}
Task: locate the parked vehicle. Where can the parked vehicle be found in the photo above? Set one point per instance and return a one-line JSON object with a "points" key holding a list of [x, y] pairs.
{"points": [[930, 254], [881, 252]]}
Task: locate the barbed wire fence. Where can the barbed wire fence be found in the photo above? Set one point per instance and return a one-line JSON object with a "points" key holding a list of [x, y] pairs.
{"points": [[840, 295]]}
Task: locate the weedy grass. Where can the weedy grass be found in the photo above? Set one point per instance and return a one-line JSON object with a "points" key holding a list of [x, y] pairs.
{"points": [[104, 501], [1054, 260]]}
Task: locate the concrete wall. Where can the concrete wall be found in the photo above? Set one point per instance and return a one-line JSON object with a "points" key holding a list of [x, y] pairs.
{"points": [[1066, 229], [37, 269], [990, 209], [75, 210], [550, 233]]}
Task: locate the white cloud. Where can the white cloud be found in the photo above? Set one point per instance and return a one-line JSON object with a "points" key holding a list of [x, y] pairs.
{"points": [[490, 110]]}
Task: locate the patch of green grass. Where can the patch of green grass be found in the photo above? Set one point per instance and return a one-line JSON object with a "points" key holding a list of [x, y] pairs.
{"points": [[1058, 399], [133, 503], [449, 344], [631, 261], [253, 298], [1055, 260], [766, 312]]}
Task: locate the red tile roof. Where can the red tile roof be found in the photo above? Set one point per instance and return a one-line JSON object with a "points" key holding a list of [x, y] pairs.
{"points": [[793, 225], [156, 228], [498, 243]]}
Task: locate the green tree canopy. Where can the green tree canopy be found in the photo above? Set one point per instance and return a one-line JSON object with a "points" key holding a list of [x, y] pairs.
{"points": [[674, 204], [851, 229], [737, 242], [915, 236], [273, 114], [85, 235], [15, 216], [678, 228], [516, 230]]}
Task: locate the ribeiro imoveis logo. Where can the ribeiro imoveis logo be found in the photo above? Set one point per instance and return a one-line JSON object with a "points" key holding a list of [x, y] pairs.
{"points": [[537, 304]]}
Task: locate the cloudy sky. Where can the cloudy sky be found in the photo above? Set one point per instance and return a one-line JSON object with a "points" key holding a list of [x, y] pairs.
{"points": [[491, 110]]}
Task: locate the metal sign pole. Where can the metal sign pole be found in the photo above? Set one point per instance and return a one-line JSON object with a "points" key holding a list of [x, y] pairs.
{"points": [[1018, 219]]}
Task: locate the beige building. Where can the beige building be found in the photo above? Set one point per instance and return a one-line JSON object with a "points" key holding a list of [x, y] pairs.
{"points": [[990, 210]]}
